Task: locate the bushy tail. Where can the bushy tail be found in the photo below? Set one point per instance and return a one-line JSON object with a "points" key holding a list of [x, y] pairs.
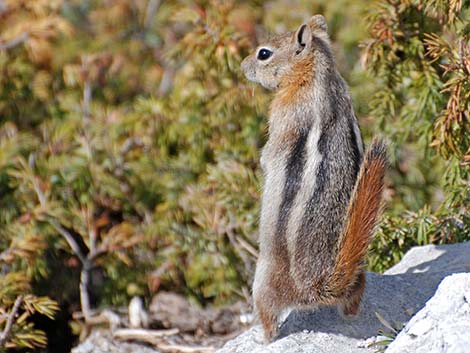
{"points": [[364, 208]]}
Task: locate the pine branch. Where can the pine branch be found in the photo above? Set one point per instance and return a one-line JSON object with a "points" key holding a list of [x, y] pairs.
{"points": [[10, 320]]}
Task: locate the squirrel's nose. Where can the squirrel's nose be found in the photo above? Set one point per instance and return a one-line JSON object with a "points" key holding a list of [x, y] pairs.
{"points": [[247, 68], [244, 65]]}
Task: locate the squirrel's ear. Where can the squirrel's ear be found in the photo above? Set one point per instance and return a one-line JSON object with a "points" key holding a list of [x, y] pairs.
{"points": [[318, 22], [303, 36]]}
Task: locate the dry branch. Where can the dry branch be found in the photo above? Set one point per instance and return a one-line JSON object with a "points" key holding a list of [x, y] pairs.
{"points": [[10, 320], [142, 335], [105, 317], [152, 8]]}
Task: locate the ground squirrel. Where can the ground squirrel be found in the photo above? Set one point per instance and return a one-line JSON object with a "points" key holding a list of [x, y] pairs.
{"points": [[321, 197]]}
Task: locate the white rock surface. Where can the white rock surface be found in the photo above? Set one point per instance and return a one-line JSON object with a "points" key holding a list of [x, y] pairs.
{"points": [[404, 289], [443, 325]]}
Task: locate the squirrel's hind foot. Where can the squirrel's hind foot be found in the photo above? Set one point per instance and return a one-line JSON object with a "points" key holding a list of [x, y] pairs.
{"points": [[269, 321], [350, 305]]}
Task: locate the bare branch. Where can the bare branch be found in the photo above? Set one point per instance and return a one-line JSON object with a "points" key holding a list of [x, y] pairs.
{"points": [[57, 226], [41, 197], [86, 101], [87, 90], [86, 267], [96, 317], [142, 335], [167, 81], [70, 240], [84, 297], [85, 261], [10, 320], [97, 252], [152, 8]]}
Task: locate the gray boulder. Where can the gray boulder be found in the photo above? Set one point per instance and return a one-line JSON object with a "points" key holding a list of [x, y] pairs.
{"points": [[443, 325], [396, 295]]}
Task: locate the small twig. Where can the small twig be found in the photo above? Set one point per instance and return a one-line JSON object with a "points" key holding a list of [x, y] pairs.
{"points": [[99, 250], [14, 42], [150, 336], [167, 80], [248, 247], [78, 315], [87, 91], [86, 101], [70, 240], [41, 197], [92, 232], [11, 318], [152, 7], [97, 318]]}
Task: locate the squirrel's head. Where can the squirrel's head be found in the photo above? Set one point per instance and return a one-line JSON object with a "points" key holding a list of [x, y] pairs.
{"points": [[278, 58]]}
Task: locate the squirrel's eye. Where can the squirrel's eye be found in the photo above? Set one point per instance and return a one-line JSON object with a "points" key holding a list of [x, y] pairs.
{"points": [[264, 54]]}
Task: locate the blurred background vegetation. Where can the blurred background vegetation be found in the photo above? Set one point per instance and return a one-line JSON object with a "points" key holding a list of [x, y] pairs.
{"points": [[129, 143]]}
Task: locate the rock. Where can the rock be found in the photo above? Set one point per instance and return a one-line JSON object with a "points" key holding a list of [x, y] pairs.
{"points": [[102, 342], [170, 310], [443, 325], [173, 310], [401, 291]]}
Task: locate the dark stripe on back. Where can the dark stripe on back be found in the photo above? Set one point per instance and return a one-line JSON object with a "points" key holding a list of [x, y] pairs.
{"points": [[314, 237], [321, 180], [357, 158], [322, 221], [294, 171]]}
